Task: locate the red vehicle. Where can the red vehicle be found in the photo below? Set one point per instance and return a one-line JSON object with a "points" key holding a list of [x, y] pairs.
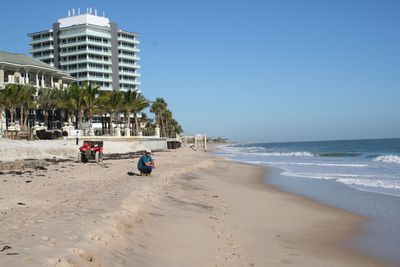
{"points": [[91, 150]]}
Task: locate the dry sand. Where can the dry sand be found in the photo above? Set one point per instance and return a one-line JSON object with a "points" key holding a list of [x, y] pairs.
{"points": [[195, 210]]}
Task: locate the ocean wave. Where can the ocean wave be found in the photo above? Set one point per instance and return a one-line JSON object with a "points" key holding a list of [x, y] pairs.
{"points": [[370, 183], [317, 164], [339, 154], [287, 154], [259, 151], [324, 176], [349, 179], [388, 158]]}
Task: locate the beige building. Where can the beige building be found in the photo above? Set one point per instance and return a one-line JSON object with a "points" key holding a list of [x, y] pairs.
{"points": [[22, 69]]}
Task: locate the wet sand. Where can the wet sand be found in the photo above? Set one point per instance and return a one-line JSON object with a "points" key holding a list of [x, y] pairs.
{"points": [[195, 210]]}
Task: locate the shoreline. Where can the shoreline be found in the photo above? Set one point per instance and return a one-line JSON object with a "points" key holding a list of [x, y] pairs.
{"points": [[195, 210]]}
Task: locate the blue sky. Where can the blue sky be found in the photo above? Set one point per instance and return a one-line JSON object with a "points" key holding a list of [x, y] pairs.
{"points": [[284, 70]]}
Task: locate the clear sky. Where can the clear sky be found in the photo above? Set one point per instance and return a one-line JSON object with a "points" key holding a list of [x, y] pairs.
{"points": [[250, 70]]}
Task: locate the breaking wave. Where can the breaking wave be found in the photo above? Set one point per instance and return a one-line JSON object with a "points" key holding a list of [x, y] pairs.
{"points": [[388, 158], [350, 179]]}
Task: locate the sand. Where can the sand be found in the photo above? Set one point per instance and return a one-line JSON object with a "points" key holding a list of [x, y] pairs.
{"points": [[195, 210]]}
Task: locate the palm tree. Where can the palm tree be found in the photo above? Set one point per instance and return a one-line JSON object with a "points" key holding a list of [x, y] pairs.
{"points": [[158, 107], [76, 100], [140, 103], [10, 99], [133, 102], [47, 100], [65, 103], [111, 102], [27, 101], [167, 117], [2, 107], [174, 127], [91, 102], [127, 107]]}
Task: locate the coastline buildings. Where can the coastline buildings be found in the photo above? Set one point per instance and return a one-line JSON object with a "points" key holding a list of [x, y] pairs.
{"points": [[91, 49], [23, 70]]}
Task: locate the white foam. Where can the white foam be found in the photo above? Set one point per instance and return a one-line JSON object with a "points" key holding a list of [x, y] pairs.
{"points": [[370, 183], [349, 179], [289, 154], [388, 158], [317, 164]]}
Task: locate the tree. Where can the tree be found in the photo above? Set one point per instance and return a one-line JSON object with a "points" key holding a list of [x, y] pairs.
{"points": [[64, 102], [10, 99], [158, 108], [111, 102], [2, 107], [91, 102], [76, 100], [27, 101], [127, 106], [141, 104], [47, 100]]}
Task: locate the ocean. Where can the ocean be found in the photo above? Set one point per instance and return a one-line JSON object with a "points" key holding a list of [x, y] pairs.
{"points": [[360, 176]]}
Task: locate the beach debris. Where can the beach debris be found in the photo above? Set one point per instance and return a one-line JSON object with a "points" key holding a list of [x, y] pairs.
{"points": [[15, 172], [21, 203], [12, 253], [45, 238], [215, 196], [41, 168], [5, 248], [28, 181], [1, 173]]}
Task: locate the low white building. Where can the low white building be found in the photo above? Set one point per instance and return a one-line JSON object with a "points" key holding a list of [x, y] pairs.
{"points": [[24, 70]]}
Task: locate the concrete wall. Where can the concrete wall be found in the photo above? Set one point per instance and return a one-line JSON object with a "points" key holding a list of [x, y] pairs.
{"points": [[154, 144], [145, 142]]}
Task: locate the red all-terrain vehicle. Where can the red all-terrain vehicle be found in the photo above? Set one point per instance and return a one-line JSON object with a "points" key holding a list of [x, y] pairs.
{"points": [[91, 150]]}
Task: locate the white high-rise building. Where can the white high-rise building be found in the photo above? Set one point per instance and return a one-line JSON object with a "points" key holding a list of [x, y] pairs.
{"points": [[90, 48]]}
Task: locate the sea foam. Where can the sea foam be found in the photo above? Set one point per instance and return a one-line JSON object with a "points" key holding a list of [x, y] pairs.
{"points": [[388, 158], [350, 179]]}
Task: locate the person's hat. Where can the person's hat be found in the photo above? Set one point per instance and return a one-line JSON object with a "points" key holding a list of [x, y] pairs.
{"points": [[148, 151]]}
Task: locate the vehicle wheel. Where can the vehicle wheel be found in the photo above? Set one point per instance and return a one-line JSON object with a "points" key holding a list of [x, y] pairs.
{"points": [[97, 156], [79, 156]]}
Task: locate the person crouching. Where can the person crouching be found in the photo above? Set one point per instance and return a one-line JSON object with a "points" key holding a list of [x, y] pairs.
{"points": [[146, 163]]}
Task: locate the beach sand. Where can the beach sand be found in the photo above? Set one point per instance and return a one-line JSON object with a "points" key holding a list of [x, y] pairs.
{"points": [[195, 210]]}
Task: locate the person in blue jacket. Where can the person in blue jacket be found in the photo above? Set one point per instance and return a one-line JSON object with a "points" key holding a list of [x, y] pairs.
{"points": [[146, 163]]}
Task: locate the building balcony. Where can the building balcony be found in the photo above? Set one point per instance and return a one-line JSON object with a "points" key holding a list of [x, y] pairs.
{"points": [[43, 57], [124, 81], [128, 48], [73, 53], [128, 65], [85, 42], [43, 48], [83, 30], [42, 40], [85, 51], [86, 60], [128, 73], [99, 79], [135, 57]]}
